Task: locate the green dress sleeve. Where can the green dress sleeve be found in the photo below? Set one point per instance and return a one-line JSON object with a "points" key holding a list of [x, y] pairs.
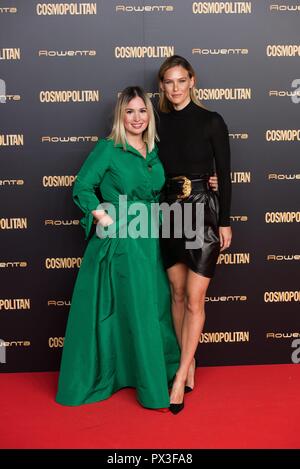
{"points": [[88, 179]]}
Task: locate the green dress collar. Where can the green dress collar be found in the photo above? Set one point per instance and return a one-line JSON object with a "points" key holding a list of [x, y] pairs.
{"points": [[149, 155]]}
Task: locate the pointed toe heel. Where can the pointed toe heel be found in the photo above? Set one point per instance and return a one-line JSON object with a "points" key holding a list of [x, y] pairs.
{"points": [[176, 408], [188, 389]]}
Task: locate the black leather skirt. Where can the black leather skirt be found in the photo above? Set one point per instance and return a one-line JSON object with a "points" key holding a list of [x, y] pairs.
{"points": [[202, 257]]}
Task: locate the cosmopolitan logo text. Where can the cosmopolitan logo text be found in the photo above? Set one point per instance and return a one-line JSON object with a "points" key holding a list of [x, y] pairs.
{"points": [[58, 181], [241, 177], [14, 303], [11, 140], [69, 96], [54, 342], [283, 50], [9, 53], [63, 262], [283, 135], [205, 8], [66, 9], [13, 223], [282, 217], [234, 258], [228, 94], [281, 296], [139, 52], [219, 337]]}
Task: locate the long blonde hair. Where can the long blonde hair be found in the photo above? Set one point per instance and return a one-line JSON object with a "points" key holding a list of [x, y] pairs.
{"points": [[118, 133], [174, 61]]}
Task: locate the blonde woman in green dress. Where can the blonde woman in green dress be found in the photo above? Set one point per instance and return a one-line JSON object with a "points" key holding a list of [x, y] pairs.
{"points": [[120, 332]]}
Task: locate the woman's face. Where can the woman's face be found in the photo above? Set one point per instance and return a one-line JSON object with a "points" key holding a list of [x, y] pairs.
{"points": [[136, 118], [176, 85]]}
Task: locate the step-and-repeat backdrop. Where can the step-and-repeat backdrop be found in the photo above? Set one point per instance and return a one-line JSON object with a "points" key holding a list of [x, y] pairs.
{"points": [[62, 66]]}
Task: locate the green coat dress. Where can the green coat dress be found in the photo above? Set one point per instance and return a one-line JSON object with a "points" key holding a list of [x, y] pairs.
{"points": [[119, 331]]}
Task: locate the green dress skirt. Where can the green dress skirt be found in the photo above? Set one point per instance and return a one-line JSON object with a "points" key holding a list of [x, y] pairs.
{"points": [[119, 332]]}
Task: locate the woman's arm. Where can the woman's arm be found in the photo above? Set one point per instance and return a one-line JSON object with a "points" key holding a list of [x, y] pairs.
{"points": [[220, 143], [221, 147], [88, 179]]}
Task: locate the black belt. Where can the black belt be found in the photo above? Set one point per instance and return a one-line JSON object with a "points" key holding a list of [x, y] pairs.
{"points": [[183, 186]]}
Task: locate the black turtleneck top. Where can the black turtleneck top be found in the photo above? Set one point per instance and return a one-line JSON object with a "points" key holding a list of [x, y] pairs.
{"points": [[194, 141]]}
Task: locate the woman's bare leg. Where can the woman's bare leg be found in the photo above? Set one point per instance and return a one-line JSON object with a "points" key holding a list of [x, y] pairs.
{"points": [[192, 326], [177, 277]]}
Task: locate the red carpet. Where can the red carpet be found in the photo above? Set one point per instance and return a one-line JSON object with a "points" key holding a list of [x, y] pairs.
{"points": [[231, 407]]}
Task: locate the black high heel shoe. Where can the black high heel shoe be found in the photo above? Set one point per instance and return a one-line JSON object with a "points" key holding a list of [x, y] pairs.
{"points": [[188, 389], [176, 408]]}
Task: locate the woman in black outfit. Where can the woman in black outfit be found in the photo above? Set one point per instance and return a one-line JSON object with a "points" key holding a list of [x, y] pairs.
{"points": [[193, 145]]}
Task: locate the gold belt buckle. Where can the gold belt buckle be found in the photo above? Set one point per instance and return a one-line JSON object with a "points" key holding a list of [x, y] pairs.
{"points": [[186, 186]]}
